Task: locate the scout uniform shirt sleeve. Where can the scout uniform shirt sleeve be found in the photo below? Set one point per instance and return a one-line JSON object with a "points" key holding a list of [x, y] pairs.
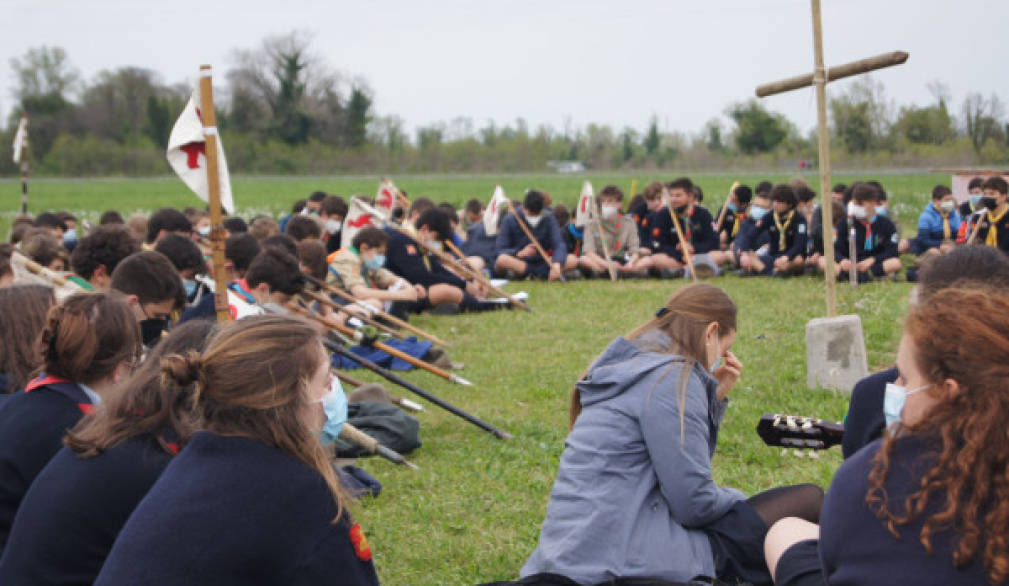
{"points": [[383, 278], [347, 269]]}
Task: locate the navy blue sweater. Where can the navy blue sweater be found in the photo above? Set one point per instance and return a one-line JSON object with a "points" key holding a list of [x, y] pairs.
{"points": [[864, 422], [795, 236], [882, 240], [232, 510], [511, 238], [855, 546], [697, 227], [405, 258], [32, 426], [478, 243], [73, 511]]}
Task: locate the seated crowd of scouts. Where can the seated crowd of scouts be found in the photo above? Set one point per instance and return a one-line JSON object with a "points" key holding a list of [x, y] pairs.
{"points": [[143, 443]]}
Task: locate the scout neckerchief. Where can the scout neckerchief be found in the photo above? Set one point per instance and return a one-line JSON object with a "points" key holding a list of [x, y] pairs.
{"points": [[947, 231], [868, 234], [241, 288], [739, 217], [688, 226], [364, 271], [781, 225], [612, 231], [992, 238]]}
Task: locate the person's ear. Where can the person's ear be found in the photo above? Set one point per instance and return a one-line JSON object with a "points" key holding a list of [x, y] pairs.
{"points": [[101, 271], [711, 332], [952, 389], [132, 300], [262, 288]]}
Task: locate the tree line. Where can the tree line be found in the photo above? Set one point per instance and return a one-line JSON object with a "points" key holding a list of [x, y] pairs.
{"points": [[283, 109]]}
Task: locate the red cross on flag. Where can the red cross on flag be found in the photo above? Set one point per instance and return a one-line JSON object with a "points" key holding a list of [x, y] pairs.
{"points": [[492, 214], [385, 199], [586, 203], [21, 139], [359, 216], [187, 154]]}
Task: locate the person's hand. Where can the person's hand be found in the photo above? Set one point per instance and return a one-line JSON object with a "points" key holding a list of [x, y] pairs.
{"points": [[685, 246], [555, 272], [745, 261], [421, 291], [528, 251], [781, 263], [476, 289], [946, 247], [727, 375], [866, 264]]}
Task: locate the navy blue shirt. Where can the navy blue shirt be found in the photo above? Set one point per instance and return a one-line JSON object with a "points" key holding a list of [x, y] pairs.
{"points": [[698, 230], [511, 238], [32, 426], [233, 510], [74, 510], [864, 422], [795, 236], [855, 546], [880, 233], [478, 243], [405, 258]]}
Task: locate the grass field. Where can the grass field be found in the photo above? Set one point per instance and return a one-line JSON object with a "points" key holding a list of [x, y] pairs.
{"points": [[473, 511]]}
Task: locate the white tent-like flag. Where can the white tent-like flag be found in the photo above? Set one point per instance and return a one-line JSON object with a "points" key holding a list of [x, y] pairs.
{"points": [[492, 215], [586, 205], [21, 139], [385, 199], [359, 215], [187, 154]]}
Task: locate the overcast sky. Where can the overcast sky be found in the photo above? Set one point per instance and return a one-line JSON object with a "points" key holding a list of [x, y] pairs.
{"points": [[616, 62]]}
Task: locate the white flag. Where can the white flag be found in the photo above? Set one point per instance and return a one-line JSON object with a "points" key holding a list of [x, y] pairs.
{"points": [[359, 215], [187, 154], [20, 139], [385, 199], [491, 215], [586, 205]]}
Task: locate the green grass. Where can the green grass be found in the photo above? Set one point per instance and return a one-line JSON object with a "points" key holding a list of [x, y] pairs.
{"points": [[472, 513]]}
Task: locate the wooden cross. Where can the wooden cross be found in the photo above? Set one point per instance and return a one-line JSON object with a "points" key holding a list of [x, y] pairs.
{"points": [[819, 78]]}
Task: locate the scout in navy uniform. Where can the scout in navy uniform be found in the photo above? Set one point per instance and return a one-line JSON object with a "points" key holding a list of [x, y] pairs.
{"points": [[875, 238], [993, 226], [80, 501], [786, 231], [735, 215], [518, 255], [90, 342], [696, 223], [153, 290], [644, 215], [438, 285], [252, 498], [359, 271]]}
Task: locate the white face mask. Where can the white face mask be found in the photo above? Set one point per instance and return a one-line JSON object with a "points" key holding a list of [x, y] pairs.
{"points": [[333, 226], [893, 401], [203, 231], [947, 206], [434, 245], [610, 212], [533, 221], [856, 211]]}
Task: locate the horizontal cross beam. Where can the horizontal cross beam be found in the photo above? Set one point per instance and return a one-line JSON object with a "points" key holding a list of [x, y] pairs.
{"points": [[833, 73]]}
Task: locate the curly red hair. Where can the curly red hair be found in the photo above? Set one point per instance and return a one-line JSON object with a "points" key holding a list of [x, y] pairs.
{"points": [[970, 478]]}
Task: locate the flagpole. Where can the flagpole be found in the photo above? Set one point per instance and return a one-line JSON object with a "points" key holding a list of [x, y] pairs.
{"points": [[214, 187], [24, 165]]}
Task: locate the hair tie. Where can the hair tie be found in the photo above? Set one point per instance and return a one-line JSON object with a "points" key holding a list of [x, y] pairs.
{"points": [[661, 312]]}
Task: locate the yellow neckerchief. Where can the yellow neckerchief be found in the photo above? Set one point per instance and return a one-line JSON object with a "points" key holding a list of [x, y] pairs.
{"points": [[781, 228], [992, 238], [947, 232], [740, 216]]}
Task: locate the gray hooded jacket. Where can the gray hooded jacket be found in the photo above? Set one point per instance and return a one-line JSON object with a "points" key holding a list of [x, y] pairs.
{"points": [[630, 498]]}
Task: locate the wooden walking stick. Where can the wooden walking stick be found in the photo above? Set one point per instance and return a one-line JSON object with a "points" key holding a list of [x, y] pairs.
{"points": [[396, 400], [852, 253], [358, 437], [597, 222], [478, 276], [684, 245], [21, 156], [359, 337], [41, 271], [385, 316], [214, 187], [725, 206], [535, 243], [393, 378], [362, 315]]}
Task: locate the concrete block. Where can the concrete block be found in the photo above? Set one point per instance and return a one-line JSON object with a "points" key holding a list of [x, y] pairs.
{"points": [[835, 353]]}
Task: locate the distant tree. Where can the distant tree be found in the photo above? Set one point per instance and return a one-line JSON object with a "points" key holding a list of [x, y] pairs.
{"points": [[713, 133], [982, 120], [652, 138], [45, 80], [860, 116], [158, 126], [757, 130], [117, 104], [628, 139], [357, 116]]}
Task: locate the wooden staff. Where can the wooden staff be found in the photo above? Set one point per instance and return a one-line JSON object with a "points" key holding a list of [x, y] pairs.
{"points": [[634, 187], [595, 221], [725, 206], [387, 317], [834, 73], [24, 167], [343, 309], [535, 243], [359, 337], [684, 245], [214, 187], [356, 436], [396, 400], [395, 379], [852, 253], [41, 271], [478, 276]]}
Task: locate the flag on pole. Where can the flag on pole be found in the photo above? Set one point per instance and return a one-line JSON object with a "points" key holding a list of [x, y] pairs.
{"points": [[359, 215], [187, 154], [586, 203], [21, 139], [385, 199], [492, 214]]}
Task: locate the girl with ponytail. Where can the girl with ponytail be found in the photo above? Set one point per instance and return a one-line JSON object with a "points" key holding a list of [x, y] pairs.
{"points": [[634, 497], [253, 498]]}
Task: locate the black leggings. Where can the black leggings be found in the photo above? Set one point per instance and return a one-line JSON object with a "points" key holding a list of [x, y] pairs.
{"points": [[737, 539]]}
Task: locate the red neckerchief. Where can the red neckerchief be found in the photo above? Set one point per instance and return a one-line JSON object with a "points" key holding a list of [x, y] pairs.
{"points": [[64, 387]]}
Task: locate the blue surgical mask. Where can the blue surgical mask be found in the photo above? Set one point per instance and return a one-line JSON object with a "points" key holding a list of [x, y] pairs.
{"points": [[374, 263], [334, 404], [975, 199], [893, 401], [757, 212], [719, 360], [732, 208], [190, 287], [70, 236], [881, 211]]}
